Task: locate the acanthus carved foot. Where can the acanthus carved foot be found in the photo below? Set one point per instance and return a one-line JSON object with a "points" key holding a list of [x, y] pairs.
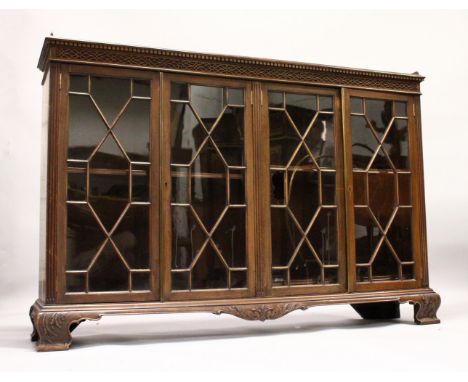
{"points": [[52, 329], [425, 308]]}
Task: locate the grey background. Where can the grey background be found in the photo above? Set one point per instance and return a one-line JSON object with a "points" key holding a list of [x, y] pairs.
{"points": [[435, 43]]}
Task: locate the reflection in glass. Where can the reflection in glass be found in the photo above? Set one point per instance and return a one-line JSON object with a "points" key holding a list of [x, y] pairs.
{"points": [[385, 266], [396, 144], [238, 279], [180, 184], [379, 113], [187, 237], [140, 281], [78, 83], [305, 269], [132, 130], [207, 101], [179, 91], [399, 234], [76, 183], [356, 105], [364, 143], [141, 88], [140, 183], [108, 273], [303, 195], [85, 127], [276, 99], [285, 236], [110, 95], [235, 97], [209, 272], [323, 236], [131, 237], [326, 103], [186, 133], [229, 136], [301, 108], [367, 234], [229, 237], [321, 140], [283, 138]]}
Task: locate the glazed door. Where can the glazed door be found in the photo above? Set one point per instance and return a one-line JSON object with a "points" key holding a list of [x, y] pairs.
{"points": [[110, 188], [385, 199], [208, 183], [301, 188]]}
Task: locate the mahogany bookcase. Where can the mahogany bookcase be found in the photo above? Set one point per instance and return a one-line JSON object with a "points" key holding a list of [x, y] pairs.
{"points": [[189, 182]]}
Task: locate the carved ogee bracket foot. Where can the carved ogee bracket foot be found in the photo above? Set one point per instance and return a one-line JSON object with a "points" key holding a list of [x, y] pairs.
{"points": [[52, 330], [425, 309]]}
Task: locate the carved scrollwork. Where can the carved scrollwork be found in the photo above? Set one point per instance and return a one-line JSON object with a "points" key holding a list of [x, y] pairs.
{"points": [[52, 330], [425, 308], [260, 312]]}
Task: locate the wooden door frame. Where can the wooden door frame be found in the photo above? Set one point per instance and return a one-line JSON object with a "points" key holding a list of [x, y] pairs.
{"points": [[250, 185], [61, 138], [417, 193], [263, 162]]}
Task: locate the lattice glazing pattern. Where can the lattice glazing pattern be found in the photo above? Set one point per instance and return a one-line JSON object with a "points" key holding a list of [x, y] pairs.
{"points": [[382, 190], [302, 201], [208, 204], [108, 187]]}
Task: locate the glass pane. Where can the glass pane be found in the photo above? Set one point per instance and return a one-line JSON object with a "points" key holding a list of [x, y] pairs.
{"points": [[367, 234], [180, 184], [400, 109], [209, 272], [400, 236], [108, 272], [187, 133], [229, 237], [236, 186], [140, 281], [301, 108], [356, 105], [132, 130], [385, 266], [208, 186], [326, 103], [404, 189], [408, 272], [331, 275], [108, 195], [285, 236], [379, 113], [279, 277], [78, 83], [140, 184], [276, 99], [180, 280], [364, 143], [305, 269], [321, 141], [187, 237], [141, 88], [131, 237], [76, 282], [238, 279], [76, 189], [303, 189], [85, 127], [235, 96], [109, 156], [396, 144], [277, 188], [179, 91], [283, 138], [84, 237], [229, 136], [322, 236], [328, 188], [208, 102], [360, 188], [382, 199], [110, 94]]}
